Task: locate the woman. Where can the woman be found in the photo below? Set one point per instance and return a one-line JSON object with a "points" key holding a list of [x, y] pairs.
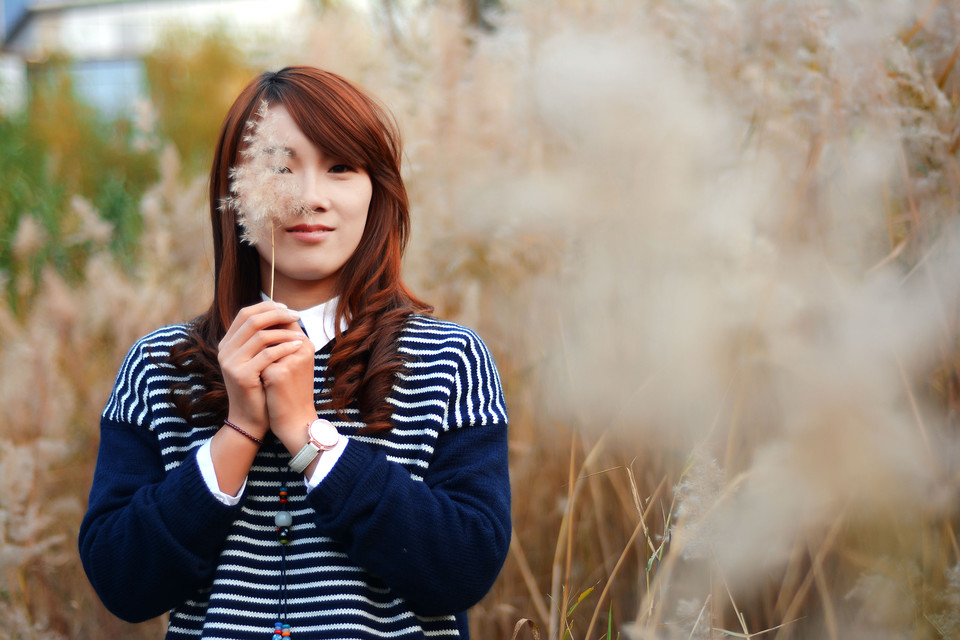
{"points": [[314, 456]]}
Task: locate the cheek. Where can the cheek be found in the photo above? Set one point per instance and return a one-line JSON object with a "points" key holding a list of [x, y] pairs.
{"points": [[359, 226], [364, 198], [361, 211]]}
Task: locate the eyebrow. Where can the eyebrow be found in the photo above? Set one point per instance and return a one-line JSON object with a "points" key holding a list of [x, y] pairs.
{"points": [[284, 150], [291, 153]]}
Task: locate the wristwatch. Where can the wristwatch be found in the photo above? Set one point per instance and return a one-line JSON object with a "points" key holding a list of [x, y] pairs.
{"points": [[323, 437]]}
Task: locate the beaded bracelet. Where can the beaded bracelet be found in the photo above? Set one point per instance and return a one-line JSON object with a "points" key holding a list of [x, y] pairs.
{"points": [[242, 432]]}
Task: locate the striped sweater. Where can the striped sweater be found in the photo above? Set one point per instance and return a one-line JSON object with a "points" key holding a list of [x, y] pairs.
{"points": [[408, 530]]}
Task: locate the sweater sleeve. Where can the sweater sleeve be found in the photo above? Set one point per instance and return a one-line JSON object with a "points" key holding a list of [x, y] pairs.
{"points": [[151, 536], [440, 542]]}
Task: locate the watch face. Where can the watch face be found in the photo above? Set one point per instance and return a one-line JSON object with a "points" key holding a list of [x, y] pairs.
{"points": [[324, 433]]}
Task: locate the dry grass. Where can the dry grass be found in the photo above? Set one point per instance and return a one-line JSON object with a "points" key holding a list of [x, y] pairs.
{"points": [[713, 247]]}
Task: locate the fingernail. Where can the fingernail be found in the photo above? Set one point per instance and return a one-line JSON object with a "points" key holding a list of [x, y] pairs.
{"points": [[294, 314], [281, 305]]}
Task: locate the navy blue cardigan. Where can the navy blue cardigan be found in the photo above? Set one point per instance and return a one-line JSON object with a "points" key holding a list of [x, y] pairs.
{"points": [[409, 529]]}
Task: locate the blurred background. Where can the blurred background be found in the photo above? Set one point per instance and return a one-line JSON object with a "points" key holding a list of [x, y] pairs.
{"points": [[712, 245]]}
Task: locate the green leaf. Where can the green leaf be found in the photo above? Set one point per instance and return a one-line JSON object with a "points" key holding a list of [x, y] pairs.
{"points": [[580, 599]]}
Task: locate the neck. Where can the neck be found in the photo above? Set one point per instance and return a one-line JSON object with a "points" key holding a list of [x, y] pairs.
{"points": [[297, 294], [303, 297]]}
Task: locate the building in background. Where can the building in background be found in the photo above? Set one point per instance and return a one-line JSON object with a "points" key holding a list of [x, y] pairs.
{"points": [[105, 40]]}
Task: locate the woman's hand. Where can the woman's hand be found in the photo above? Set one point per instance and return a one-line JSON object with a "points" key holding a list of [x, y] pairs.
{"points": [[288, 384], [259, 336]]}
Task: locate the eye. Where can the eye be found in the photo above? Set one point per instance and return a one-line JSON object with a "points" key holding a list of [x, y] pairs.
{"points": [[341, 168], [284, 170]]}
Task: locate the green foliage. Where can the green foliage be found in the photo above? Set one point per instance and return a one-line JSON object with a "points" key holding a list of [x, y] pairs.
{"points": [[60, 147], [193, 79], [82, 147], [26, 187]]}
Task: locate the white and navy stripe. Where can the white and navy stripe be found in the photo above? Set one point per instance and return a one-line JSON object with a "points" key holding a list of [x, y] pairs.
{"points": [[449, 381]]}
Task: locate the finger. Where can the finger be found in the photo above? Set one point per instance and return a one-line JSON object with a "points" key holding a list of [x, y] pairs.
{"points": [[246, 370], [269, 355], [294, 326], [255, 317], [236, 357], [302, 358], [268, 318], [258, 331], [265, 338], [252, 310]]}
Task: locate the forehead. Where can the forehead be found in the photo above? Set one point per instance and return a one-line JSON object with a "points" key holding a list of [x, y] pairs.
{"points": [[285, 133]]}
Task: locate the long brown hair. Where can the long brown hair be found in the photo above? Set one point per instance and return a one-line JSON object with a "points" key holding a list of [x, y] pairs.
{"points": [[347, 123]]}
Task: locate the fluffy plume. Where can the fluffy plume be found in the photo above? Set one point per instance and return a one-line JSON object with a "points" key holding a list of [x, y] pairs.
{"points": [[29, 238], [263, 192], [90, 226]]}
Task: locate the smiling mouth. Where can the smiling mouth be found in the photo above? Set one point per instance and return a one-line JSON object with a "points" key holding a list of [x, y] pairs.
{"points": [[309, 228]]}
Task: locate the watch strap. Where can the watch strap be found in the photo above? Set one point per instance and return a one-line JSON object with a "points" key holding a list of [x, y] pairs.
{"points": [[304, 457]]}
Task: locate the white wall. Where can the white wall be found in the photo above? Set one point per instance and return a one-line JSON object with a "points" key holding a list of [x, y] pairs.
{"points": [[106, 40], [124, 29], [13, 83]]}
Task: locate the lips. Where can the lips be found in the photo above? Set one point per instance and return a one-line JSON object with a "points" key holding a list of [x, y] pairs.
{"points": [[309, 228], [309, 233]]}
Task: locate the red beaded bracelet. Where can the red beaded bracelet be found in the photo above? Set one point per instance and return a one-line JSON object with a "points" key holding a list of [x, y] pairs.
{"points": [[242, 432]]}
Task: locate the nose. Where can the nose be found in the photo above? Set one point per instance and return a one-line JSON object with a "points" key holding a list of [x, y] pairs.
{"points": [[314, 193]]}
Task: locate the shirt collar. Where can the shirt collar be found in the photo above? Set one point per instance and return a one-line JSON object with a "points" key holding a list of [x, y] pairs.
{"points": [[318, 322]]}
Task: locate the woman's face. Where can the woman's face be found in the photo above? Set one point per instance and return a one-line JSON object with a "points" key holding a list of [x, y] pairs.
{"points": [[310, 249]]}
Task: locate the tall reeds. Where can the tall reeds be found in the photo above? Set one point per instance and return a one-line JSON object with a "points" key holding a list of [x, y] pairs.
{"points": [[713, 247]]}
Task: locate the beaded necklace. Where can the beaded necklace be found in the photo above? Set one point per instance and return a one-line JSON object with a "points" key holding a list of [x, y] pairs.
{"points": [[284, 522]]}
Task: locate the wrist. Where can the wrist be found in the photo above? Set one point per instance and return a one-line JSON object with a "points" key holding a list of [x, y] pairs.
{"points": [[243, 432], [321, 436], [293, 432], [252, 426], [231, 454]]}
